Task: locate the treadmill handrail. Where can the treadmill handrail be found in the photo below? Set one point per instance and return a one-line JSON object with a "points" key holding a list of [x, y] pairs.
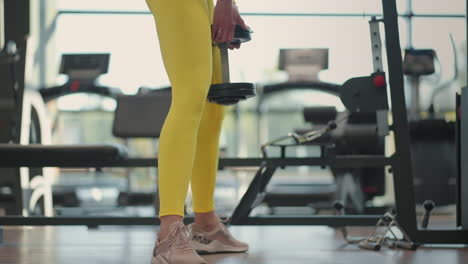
{"points": [[52, 93], [331, 88]]}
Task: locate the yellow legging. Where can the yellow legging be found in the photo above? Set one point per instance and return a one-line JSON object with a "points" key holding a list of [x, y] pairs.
{"points": [[189, 142]]}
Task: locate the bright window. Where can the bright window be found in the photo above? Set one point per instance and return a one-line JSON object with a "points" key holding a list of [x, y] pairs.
{"points": [[440, 7]]}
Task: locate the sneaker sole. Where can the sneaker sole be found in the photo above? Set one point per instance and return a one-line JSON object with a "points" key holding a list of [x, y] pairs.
{"points": [[160, 260], [201, 252], [216, 248]]}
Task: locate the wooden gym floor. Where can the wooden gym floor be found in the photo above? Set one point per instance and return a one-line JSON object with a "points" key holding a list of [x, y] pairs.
{"points": [[269, 245]]}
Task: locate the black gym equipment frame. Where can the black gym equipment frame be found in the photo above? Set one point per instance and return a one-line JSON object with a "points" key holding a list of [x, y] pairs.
{"points": [[400, 162], [16, 27], [462, 211]]}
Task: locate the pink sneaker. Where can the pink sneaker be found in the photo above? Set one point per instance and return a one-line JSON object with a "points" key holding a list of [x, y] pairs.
{"points": [[176, 249], [219, 240]]}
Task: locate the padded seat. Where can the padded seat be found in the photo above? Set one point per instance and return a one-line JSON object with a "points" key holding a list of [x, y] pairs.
{"points": [[63, 153], [284, 194]]}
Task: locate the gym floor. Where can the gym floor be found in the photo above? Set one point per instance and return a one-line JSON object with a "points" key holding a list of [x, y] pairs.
{"points": [[269, 245]]}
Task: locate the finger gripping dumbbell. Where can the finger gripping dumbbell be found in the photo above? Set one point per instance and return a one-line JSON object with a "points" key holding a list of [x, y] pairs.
{"points": [[227, 93]]}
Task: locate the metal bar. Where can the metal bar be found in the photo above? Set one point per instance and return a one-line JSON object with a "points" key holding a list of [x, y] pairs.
{"points": [[254, 194], [376, 45], [409, 21], [415, 108], [335, 221], [402, 172], [75, 220], [463, 157], [455, 236], [15, 177], [458, 161], [463, 218], [354, 220], [2, 25], [17, 28], [108, 12], [351, 161]]}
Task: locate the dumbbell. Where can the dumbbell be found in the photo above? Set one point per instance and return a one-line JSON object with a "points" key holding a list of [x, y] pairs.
{"points": [[227, 93]]}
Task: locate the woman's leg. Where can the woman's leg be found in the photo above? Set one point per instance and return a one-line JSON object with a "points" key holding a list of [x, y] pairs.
{"points": [[185, 39], [205, 167], [206, 160]]}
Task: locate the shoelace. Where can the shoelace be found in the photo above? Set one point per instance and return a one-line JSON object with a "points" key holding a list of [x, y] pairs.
{"points": [[181, 240]]}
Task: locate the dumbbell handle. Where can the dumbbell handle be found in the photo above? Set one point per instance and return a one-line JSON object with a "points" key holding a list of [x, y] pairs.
{"points": [[223, 49], [240, 35]]}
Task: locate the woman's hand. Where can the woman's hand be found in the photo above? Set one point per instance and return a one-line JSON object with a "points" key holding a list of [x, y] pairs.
{"points": [[226, 17], [237, 21], [223, 22]]}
